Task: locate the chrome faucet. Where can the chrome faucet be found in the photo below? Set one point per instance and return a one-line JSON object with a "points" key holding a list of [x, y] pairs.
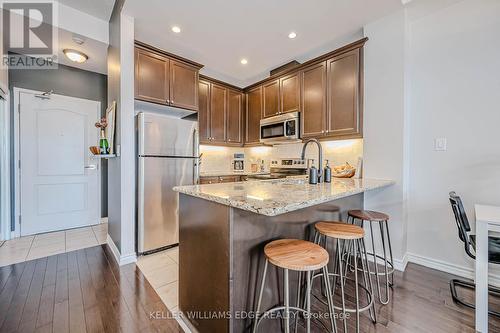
{"points": [[320, 153]]}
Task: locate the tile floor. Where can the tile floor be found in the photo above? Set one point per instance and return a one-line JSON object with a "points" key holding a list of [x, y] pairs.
{"points": [[162, 271], [43, 245]]}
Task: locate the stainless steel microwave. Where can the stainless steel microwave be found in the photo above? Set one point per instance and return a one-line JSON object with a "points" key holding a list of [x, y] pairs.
{"points": [[283, 128]]}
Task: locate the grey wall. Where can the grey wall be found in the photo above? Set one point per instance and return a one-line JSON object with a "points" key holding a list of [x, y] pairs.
{"points": [[68, 81]]}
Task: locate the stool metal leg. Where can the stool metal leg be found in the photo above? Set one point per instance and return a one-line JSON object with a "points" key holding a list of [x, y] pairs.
{"points": [[329, 298], [367, 279], [374, 254], [339, 255], [356, 289], [386, 271], [287, 301], [260, 297], [297, 304], [390, 252], [308, 306]]}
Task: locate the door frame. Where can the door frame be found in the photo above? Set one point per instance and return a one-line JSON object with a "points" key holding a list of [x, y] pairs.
{"points": [[5, 233], [16, 139]]}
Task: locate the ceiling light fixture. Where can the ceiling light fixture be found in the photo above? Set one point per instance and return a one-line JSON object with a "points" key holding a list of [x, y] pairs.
{"points": [[244, 61], [292, 35], [176, 29], [75, 55]]}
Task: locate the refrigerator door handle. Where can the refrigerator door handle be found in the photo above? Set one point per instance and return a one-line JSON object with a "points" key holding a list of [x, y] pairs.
{"points": [[196, 164]]}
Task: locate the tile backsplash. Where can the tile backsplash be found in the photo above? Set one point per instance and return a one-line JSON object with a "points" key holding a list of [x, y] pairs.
{"points": [[219, 159]]}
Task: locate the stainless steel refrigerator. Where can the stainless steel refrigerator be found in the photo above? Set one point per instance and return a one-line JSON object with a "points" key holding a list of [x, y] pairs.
{"points": [[168, 155]]}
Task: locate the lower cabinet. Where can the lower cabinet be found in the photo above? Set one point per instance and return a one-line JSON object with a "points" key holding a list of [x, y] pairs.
{"points": [[220, 179]]}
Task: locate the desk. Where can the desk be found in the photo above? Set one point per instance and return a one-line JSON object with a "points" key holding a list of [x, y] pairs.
{"points": [[487, 219]]}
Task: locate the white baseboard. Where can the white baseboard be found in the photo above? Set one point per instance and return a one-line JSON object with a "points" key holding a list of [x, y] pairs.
{"points": [[400, 264], [120, 259], [443, 266], [104, 220]]}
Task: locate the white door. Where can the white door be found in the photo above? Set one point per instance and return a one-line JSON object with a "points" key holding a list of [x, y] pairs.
{"points": [[59, 179]]}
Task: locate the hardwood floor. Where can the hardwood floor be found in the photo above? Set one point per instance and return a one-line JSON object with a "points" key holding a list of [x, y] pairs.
{"points": [[85, 291], [80, 291], [420, 302]]}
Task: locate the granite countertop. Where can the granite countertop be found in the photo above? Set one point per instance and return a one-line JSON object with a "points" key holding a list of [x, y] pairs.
{"points": [[275, 197], [231, 173]]}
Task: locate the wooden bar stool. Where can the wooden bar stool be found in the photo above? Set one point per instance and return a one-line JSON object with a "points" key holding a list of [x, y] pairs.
{"points": [[352, 236], [300, 256], [381, 219]]}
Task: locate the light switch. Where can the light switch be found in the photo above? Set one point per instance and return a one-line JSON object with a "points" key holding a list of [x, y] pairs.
{"points": [[440, 144]]}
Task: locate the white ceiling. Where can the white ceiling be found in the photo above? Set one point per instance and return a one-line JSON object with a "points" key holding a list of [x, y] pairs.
{"points": [[101, 9], [218, 33], [96, 51]]}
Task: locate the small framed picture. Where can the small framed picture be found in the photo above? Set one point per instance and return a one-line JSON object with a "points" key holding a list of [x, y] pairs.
{"points": [[111, 118]]}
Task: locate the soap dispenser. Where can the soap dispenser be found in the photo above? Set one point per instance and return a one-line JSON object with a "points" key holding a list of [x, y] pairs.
{"points": [[313, 173], [327, 173]]}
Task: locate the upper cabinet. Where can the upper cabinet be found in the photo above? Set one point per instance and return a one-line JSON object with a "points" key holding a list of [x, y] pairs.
{"points": [[234, 128], [183, 85], [220, 115], [204, 107], [281, 95], [332, 97], [253, 115], [151, 77], [313, 120], [271, 93], [290, 93], [344, 98], [218, 104], [163, 79]]}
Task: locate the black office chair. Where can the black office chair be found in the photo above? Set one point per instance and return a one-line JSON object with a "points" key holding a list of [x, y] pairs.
{"points": [[470, 244]]}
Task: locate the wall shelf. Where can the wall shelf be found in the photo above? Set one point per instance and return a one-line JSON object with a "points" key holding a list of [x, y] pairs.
{"points": [[104, 156]]}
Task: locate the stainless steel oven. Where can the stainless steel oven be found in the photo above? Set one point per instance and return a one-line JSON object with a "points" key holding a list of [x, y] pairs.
{"points": [[280, 129]]}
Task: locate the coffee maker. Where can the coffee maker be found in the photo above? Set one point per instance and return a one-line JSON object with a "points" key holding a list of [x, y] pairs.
{"points": [[239, 162]]}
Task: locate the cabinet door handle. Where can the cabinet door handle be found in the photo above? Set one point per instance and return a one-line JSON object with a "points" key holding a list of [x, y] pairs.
{"points": [[168, 101]]}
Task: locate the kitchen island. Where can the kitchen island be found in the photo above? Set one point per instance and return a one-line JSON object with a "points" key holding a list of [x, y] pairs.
{"points": [[223, 229]]}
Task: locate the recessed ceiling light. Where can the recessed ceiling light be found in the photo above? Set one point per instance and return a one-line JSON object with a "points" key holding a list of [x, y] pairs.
{"points": [[75, 55], [244, 61], [176, 29], [292, 35]]}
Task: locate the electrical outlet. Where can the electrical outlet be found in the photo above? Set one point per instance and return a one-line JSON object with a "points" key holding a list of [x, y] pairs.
{"points": [[440, 144]]}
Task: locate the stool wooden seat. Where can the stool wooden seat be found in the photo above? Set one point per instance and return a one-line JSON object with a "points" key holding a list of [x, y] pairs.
{"points": [[368, 215], [340, 230], [296, 254]]}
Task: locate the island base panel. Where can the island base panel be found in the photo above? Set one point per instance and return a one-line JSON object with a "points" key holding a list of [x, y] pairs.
{"points": [[223, 255]]}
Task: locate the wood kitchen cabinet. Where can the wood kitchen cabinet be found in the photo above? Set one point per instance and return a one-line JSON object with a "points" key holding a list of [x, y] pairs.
{"points": [[313, 120], [217, 113], [289, 93], [234, 130], [203, 109], [165, 80], [344, 102], [151, 77], [282, 95], [331, 97], [220, 115], [271, 98], [253, 115], [220, 179], [183, 85]]}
